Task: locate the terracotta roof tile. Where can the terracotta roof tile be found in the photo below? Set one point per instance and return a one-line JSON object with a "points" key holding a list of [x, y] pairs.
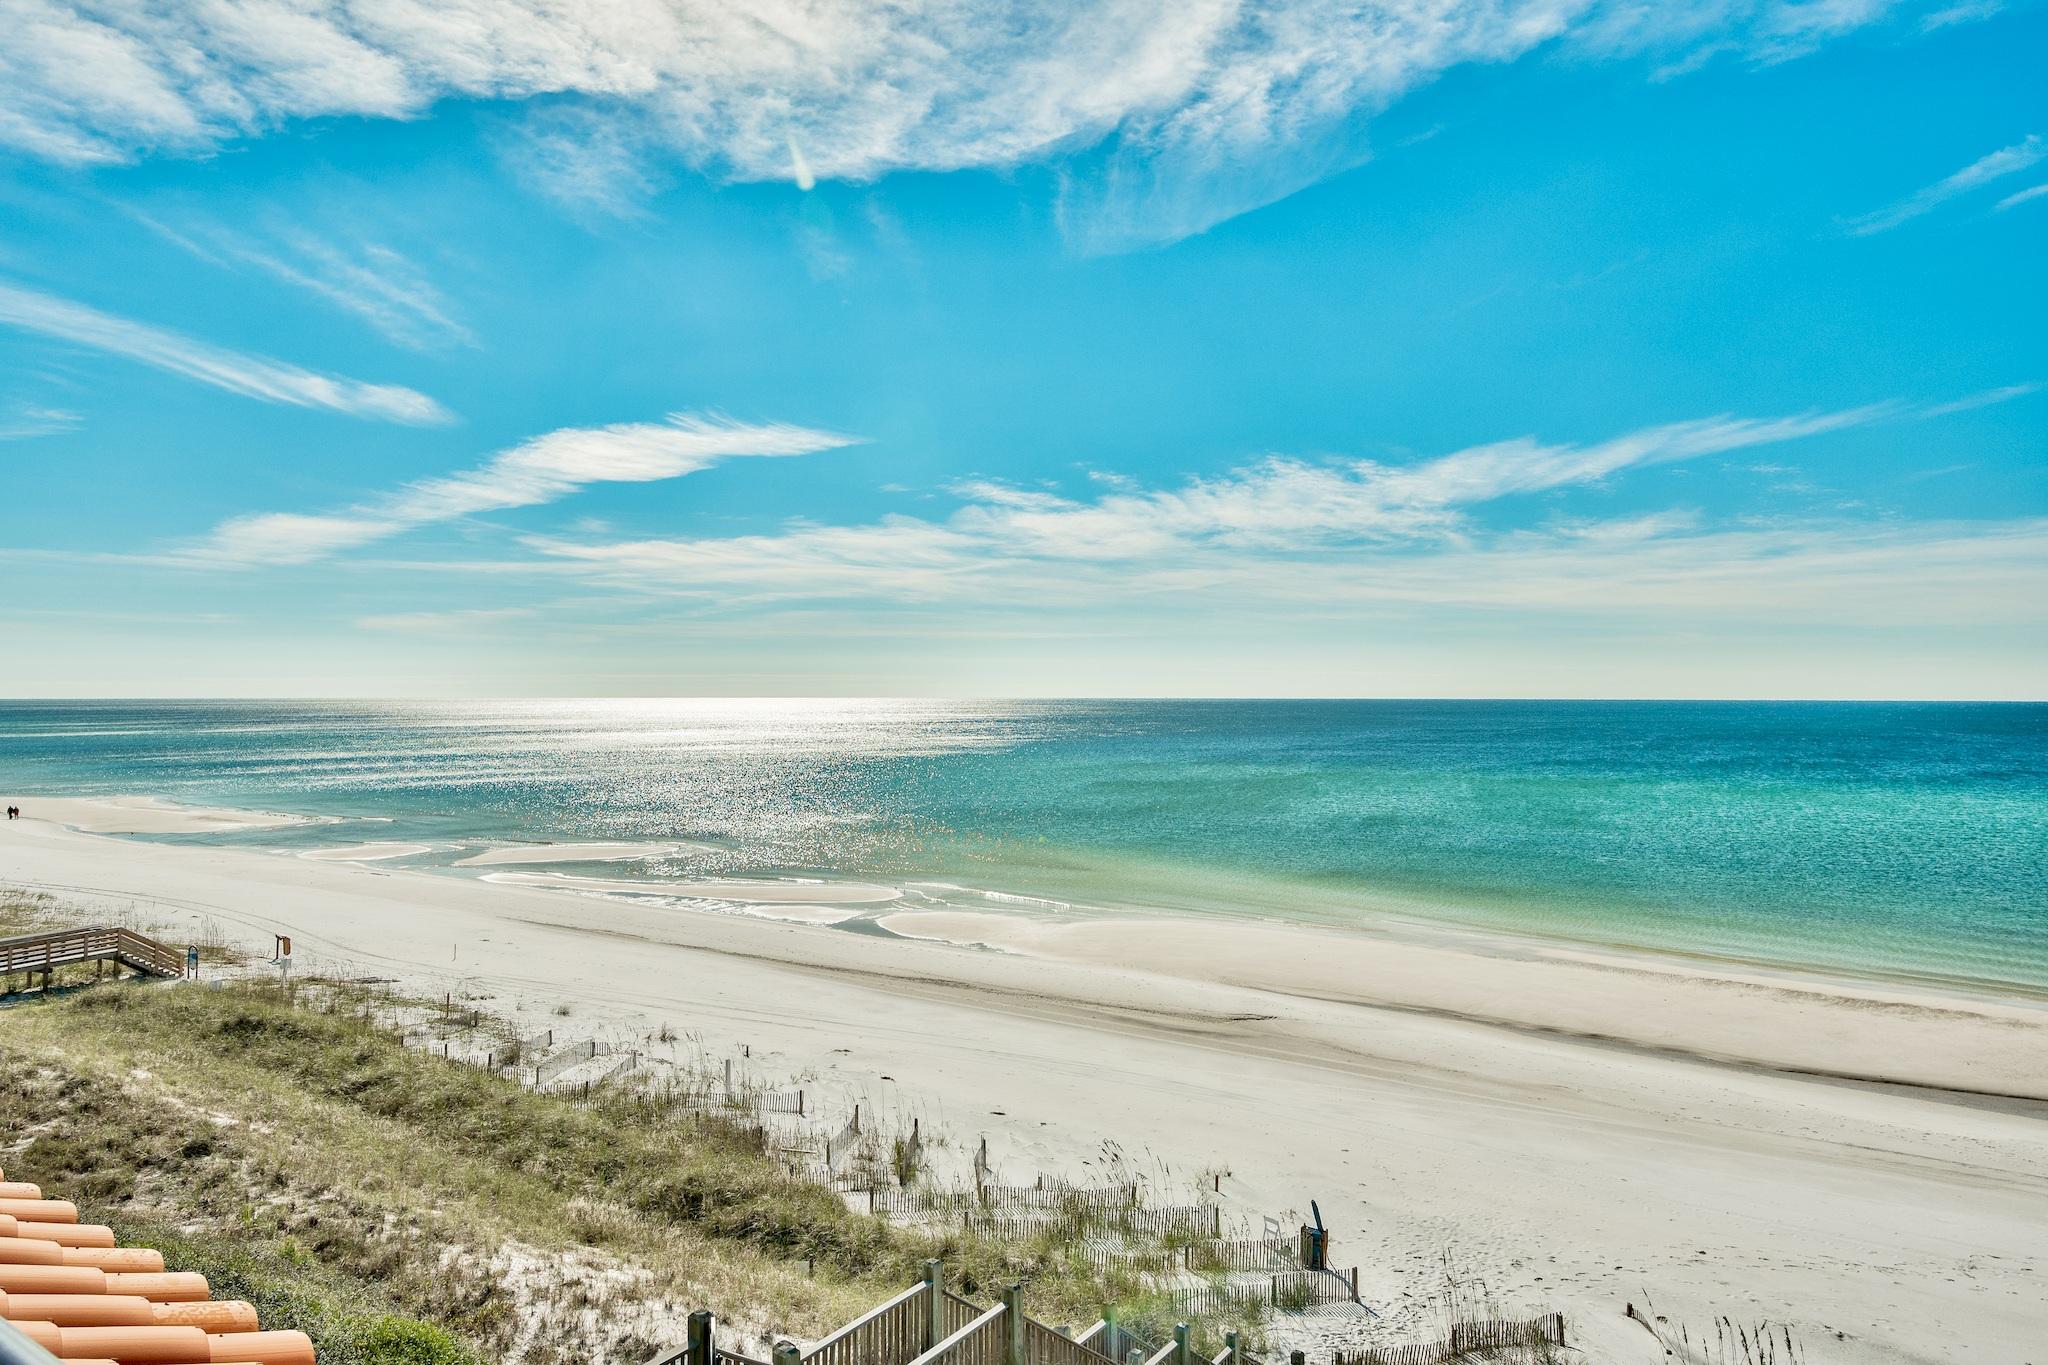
{"points": [[68, 1288]]}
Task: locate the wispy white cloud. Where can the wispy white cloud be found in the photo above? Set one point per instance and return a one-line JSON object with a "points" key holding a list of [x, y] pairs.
{"points": [[2026, 196], [1206, 107], [1294, 532], [1985, 169], [598, 162], [1687, 35], [1657, 567], [541, 470], [1280, 506], [25, 420], [1970, 401], [252, 376], [363, 277], [1969, 12], [373, 282]]}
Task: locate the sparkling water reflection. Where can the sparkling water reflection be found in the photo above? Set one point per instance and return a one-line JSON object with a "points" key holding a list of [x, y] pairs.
{"points": [[1903, 838]]}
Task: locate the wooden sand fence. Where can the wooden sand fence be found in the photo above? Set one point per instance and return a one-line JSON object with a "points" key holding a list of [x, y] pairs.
{"points": [[511, 1053], [1195, 1221], [1249, 1253], [1055, 1195], [623, 1065], [1467, 1338], [1285, 1291], [842, 1142], [561, 1059]]}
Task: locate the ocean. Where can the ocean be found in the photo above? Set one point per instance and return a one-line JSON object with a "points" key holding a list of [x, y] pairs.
{"points": [[1893, 840]]}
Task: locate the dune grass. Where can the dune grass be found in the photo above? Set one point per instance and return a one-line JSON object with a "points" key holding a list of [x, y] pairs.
{"points": [[289, 1145]]}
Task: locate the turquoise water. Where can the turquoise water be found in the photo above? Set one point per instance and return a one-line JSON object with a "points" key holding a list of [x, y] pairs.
{"points": [[1893, 839]]}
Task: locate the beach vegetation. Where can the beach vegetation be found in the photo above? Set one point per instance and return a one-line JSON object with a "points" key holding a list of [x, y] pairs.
{"points": [[27, 912], [398, 1205]]}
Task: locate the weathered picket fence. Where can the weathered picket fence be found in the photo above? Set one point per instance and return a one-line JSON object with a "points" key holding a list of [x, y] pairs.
{"points": [[842, 1142], [1466, 1338], [736, 1096], [1250, 1253], [561, 1059], [1286, 1291], [1177, 1220], [1056, 1195], [511, 1053], [928, 1324]]}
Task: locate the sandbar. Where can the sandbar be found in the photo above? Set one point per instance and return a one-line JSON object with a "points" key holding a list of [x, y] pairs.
{"points": [[145, 815], [366, 853], [744, 892], [519, 854]]}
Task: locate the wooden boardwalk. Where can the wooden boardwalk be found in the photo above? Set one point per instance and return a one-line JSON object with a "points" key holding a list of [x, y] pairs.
{"points": [[32, 953]]}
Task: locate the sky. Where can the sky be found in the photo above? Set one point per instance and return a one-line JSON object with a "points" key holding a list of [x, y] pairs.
{"points": [[1011, 347]]}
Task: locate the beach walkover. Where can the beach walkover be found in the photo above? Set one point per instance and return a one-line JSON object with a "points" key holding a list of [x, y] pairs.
{"points": [[46, 952], [928, 1324]]}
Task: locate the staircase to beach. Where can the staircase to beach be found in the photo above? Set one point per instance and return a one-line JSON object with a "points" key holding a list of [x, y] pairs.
{"points": [[30, 954]]}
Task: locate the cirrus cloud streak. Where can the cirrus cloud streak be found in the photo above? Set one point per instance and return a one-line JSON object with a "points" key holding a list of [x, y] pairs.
{"points": [[251, 376], [1337, 537], [538, 471]]}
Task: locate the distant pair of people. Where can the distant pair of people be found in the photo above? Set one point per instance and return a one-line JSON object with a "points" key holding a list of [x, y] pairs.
{"points": [[14, 812]]}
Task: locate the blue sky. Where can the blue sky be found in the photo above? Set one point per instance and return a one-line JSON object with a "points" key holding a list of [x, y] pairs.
{"points": [[1408, 348]]}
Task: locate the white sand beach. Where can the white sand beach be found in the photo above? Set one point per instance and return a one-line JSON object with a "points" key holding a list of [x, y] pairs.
{"points": [[1866, 1161]]}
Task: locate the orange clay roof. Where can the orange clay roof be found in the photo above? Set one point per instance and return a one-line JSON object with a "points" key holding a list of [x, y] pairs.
{"points": [[68, 1288]]}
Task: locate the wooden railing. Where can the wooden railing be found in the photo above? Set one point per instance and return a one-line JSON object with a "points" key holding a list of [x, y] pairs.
{"points": [[702, 1348], [928, 1325], [983, 1341], [1044, 1346], [69, 947], [889, 1335], [955, 1312]]}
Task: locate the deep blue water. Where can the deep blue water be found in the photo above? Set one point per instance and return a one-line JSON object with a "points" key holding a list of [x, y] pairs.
{"points": [[1893, 838]]}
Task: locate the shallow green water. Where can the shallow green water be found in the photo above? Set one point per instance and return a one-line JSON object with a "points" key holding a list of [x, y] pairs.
{"points": [[1885, 838]]}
